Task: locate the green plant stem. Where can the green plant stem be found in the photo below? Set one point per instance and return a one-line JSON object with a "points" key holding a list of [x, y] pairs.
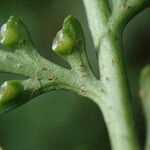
{"points": [[117, 114], [124, 10], [98, 13], [116, 107], [118, 121]]}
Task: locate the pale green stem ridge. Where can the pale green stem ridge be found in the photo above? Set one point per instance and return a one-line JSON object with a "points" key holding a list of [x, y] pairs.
{"points": [[117, 110], [119, 124], [107, 41], [98, 13]]}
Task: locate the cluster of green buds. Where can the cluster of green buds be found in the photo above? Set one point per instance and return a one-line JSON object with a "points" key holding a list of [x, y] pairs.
{"points": [[69, 43], [13, 34]]}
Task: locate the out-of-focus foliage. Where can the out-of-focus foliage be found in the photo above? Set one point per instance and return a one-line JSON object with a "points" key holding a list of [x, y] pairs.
{"points": [[61, 120]]}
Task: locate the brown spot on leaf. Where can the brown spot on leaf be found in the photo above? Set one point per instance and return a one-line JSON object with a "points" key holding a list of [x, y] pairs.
{"points": [[46, 69], [113, 62], [82, 65], [50, 78], [18, 66], [82, 89], [35, 91], [84, 76], [38, 78], [55, 78]]}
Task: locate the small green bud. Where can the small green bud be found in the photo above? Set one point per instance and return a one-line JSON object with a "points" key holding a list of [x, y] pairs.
{"points": [[62, 44], [10, 95], [13, 32], [69, 38]]}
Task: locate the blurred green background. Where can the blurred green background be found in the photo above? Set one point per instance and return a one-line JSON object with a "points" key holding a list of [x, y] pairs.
{"points": [[62, 120]]}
